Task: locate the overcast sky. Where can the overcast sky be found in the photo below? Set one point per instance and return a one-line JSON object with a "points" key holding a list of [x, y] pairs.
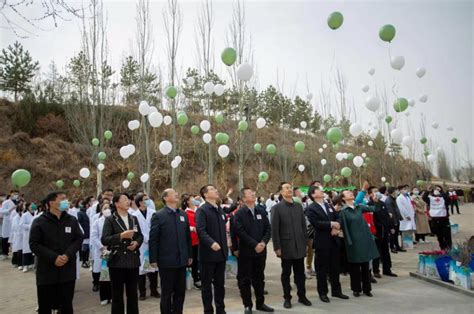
{"points": [[292, 38]]}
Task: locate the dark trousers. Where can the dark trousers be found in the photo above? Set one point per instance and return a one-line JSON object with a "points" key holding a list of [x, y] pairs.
{"points": [[250, 272], [95, 278], [442, 229], [173, 289], [152, 277], [17, 258], [326, 262], [299, 277], [213, 274], [84, 253], [360, 273], [5, 246], [382, 242], [394, 245], [454, 203], [105, 290], [58, 296], [119, 278], [195, 265], [27, 259]]}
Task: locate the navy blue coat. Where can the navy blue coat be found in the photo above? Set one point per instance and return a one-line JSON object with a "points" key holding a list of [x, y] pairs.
{"points": [[321, 223], [210, 225], [251, 230]]}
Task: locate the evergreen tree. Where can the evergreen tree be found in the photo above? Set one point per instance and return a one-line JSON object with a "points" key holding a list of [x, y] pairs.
{"points": [[129, 74]]}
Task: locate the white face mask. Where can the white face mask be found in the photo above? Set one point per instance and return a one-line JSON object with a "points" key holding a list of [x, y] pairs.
{"points": [[436, 192], [106, 212]]}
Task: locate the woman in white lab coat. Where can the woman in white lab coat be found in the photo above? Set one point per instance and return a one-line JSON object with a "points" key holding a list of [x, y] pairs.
{"points": [[105, 289], [25, 225], [16, 239], [408, 224]]}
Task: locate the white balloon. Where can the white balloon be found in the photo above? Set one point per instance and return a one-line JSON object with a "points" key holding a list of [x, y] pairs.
{"points": [[174, 163], [303, 124], [124, 152], [130, 149], [165, 147], [364, 155], [209, 88], [205, 125], [125, 184], [261, 123], [323, 162], [435, 125], [190, 81], [301, 168], [152, 109], [383, 179], [178, 159], [365, 88], [207, 138], [420, 72], [320, 150], [380, 115], [372, 103], [339, 156], [397, 136], [355, 129], [223, 151], [450, 128], [372, 71], [407, 140], [143, 108], [84, 173], [244, 72], [101, 167], [133, 124], [155, 119], [144, 177], [397, 62], [167, 120], [325, 146], [309, 97], [219, 89], [411, 102], [423, 98], [431, 158], [358, 161], [439, 149], [370, 143], [373, 133]]}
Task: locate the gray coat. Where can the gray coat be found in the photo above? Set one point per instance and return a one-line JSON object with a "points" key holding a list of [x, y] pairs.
{"points": [[289, 230]]}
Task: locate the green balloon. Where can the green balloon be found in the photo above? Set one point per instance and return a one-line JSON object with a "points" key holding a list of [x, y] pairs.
{"points": [[423, 140], [228, 56], [420, 182], [271, 149], [327, 178], [257, 147], [222, 138], [400, 105], [262, 176], [367, 159], [337, 178], [243, 126], [346, 172], [95, 141], [454, 140], [21, 177], [76, 183], [387, 184], [182, 118], [108, 135], [102, 156], [388, 119], [195, 129], [387, 32], [130, 175], [426, 153], [335, 20], [350, 156], [364, 165], [334, 135], [171, 92], [299, 146], [219, 118], [60, 184]]}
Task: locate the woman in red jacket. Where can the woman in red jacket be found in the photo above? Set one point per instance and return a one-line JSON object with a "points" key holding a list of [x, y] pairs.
{"points": [[189, 205]]}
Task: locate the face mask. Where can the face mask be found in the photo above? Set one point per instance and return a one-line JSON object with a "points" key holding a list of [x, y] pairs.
{"points": [[397, 193], [416, 192], [63, 205], [14, 197], [148, 203], [378, 195], [106, 212], [196, 202], [34, 207], [436, 192]]}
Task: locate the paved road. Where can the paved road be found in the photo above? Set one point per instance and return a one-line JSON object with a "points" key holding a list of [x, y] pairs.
{"points": [[391, 295]]}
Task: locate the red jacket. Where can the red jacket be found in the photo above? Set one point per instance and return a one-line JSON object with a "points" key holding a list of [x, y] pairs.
{"points": [[369, 218], [192, 223]]}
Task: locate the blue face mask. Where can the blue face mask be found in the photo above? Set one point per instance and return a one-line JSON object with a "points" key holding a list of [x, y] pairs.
{"points": [[63, 205], [196, 202], [148, 203]]}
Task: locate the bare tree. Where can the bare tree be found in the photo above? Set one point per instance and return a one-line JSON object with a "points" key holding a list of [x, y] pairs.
{"points": [[203, 38]]}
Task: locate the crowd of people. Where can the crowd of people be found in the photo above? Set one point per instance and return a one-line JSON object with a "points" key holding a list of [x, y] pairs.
{"points": [[124, 241]]}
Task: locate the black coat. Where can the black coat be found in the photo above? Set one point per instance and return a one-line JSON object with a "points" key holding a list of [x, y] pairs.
{"points": [[51, 237], [121, 257], [251, 230], [392, 208], [84, 222], [210, 225], [170, 239], [321, 223], [382, 219]]}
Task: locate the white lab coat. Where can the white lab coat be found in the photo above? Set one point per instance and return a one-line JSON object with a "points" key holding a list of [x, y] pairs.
{"points": [[96, 244], [73, 213], [407, 210], [25, 225], [7, 209], [91, 211], [145, 225], [17, 234]]}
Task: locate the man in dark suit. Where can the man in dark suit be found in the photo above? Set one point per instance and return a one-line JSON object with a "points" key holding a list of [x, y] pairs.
{"points": [[171, 251], [395, 217], [326, 244], [252, 229], [289, 242], [210, 225]]}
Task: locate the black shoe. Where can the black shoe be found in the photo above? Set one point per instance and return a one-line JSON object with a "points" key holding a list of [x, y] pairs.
{"points": [[340, 296], [394, 251], [197, 285], [305, 301], [95, 288], [368, 294], [373, 280], [287, 304], [265, 292], [356, 294], [324, 298], [155, 294], [401, 250], [390, 274], [377, 275], [248, 310], [265, 308], [142, 297]]}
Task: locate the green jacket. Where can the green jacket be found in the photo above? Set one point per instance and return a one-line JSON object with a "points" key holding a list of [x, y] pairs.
{"points": [[359, 241]]}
